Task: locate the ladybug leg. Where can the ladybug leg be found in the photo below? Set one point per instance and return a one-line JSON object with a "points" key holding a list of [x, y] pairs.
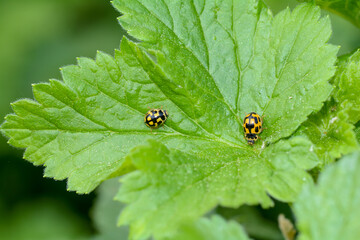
{"points": [[263, 118]]}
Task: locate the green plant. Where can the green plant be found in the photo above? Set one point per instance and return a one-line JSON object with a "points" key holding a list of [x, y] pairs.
{"points": [[208, 63], [348, 9]]}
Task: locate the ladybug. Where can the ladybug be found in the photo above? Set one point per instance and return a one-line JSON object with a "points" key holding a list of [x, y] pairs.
{"points": [[252, 127], [155, 118]]}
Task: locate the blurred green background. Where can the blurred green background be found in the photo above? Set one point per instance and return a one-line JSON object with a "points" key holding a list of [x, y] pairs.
{"points": [[37, 37]]}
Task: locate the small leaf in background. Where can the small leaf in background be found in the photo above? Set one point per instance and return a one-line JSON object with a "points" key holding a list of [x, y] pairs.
{"points": [[254, 223], [331, 129], [214, 228], [187, 183], [348, 9], [286, 227], [330, 210], [105, 212]]}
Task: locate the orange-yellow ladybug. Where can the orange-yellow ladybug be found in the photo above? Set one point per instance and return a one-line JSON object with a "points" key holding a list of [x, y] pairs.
{"points": [[155, 118], [252, 127]]}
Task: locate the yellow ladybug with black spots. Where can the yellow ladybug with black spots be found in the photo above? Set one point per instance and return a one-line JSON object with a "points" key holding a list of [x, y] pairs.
{"points": [[155, 118], [252, 127]]}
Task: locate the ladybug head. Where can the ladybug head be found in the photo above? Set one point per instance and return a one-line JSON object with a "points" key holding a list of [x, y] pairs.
{"points": [[166, 113], [250, 142], [251, 138]]}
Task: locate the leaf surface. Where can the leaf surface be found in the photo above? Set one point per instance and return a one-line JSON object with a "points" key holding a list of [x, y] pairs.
{"points": [[236, 50], [330, 209], [331, 129], [188, 183], [330, 132]]}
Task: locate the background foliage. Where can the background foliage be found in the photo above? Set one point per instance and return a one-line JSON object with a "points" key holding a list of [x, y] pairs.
{"points": [[32, 50], [37, 37]]}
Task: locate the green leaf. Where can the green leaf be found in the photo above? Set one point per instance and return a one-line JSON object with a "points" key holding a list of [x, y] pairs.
{"points": [[330, 132], [235, 50], [187, 183], [215, 228], [331, 210], [105, 212], [82, 128], [348, 9], [348, 82], [214, 63], [252, 221], [331, 129]]}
